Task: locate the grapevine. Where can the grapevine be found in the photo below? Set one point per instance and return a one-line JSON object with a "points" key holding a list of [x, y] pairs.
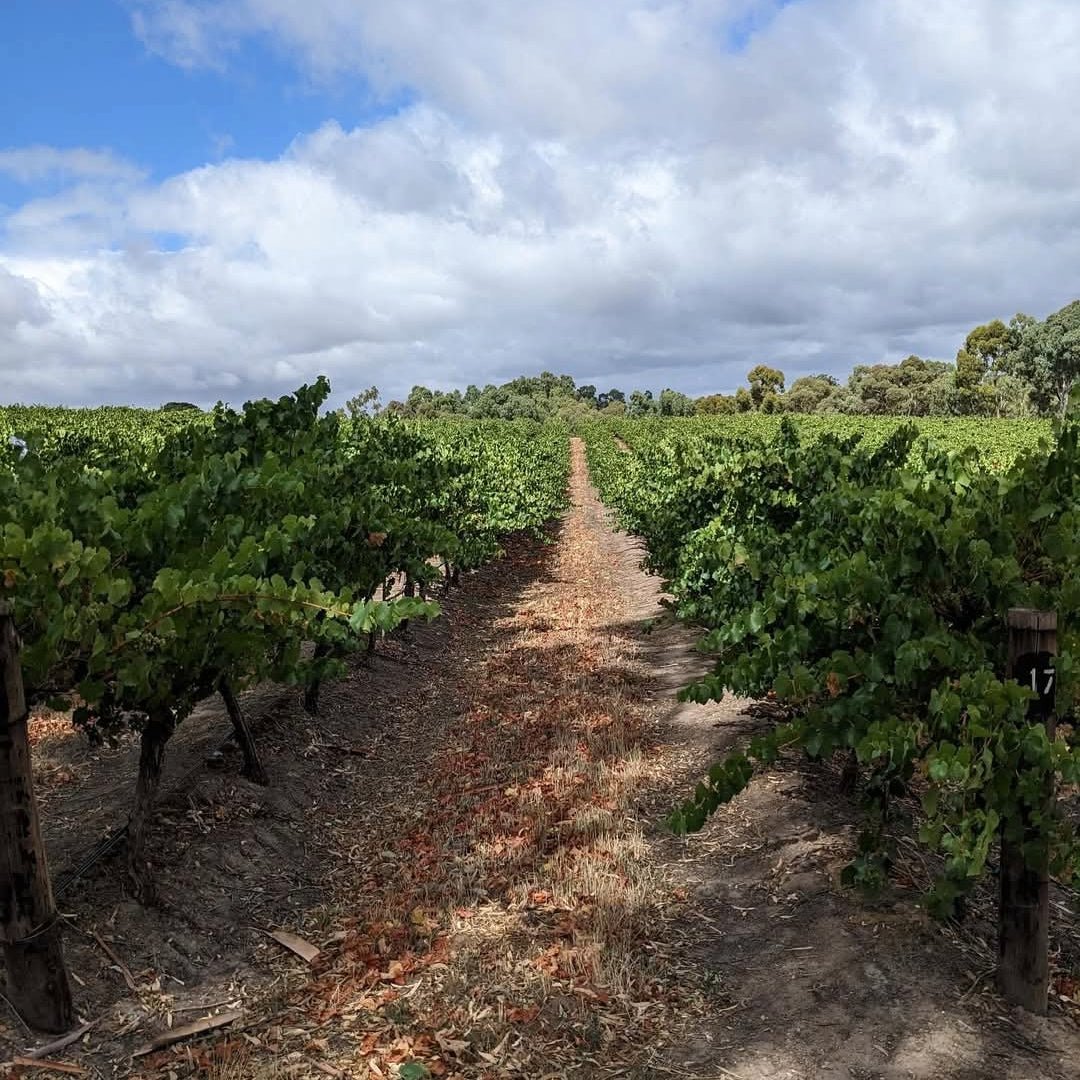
{"points": [[149, 568], [863, 584]]}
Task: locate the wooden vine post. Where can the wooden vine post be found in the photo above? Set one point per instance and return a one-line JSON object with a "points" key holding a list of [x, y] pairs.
{"points": [[37, 980], [1024, 910]]}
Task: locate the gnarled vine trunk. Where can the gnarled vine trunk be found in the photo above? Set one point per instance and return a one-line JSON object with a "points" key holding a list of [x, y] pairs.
{"points": [[37, 981], [155, 737], [253, 768], [311, 694], [849, 774], [409, 590]]}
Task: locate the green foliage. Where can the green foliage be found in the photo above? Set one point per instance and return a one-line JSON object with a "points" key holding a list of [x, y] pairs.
{"points": [[641, 404], [501, 478], [544, 398], [715, 405], [672, 403], [914, 387], [103, 435], [1047, 355], [863, 583], [217, 549], [809, 393], [978, 389], [765, 384], [366, 403]]}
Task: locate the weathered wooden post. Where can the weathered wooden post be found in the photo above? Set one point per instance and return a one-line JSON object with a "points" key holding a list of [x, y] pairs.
{"points": [[37, 980], [1024, 910]]}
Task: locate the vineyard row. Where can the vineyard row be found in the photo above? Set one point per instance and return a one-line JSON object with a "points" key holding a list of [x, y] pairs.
{"points": [[144, 569], [880, 591]]}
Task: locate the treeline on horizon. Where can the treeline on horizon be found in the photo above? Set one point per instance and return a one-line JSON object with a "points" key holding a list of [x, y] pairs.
{"points": [[1025, 368]]}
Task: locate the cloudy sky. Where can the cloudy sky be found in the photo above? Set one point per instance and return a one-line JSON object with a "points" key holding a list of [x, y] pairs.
{"points": [[206, 199]]}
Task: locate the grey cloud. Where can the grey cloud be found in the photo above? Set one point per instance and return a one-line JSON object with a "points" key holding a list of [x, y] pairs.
{"points": [[20, 303]]}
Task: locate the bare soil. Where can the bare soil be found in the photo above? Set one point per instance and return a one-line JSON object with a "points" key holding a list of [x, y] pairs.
{"points": [[471, 832]]}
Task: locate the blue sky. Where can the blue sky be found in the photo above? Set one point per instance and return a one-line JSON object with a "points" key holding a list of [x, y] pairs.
{"points": [[741, 30], [206, 199], [74, 74]]}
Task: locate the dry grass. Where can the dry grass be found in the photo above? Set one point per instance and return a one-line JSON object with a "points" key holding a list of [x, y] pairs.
{"points": [[244, 1065], [496, 920]]}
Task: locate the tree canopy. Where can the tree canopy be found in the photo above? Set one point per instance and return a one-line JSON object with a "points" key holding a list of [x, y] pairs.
{"points": [[1024, 367], [541, 397], [1047, 355]]}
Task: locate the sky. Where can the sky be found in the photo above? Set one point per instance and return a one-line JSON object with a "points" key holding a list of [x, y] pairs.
{"points": [[222, 199]]}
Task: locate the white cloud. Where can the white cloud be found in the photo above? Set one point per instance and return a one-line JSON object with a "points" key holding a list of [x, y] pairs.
{"points": [[602, 188], [31, 163], [190, 35], [560, 67]]}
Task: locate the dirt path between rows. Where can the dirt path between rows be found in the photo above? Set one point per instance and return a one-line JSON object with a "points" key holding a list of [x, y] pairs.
{"points": [[472, 835]]}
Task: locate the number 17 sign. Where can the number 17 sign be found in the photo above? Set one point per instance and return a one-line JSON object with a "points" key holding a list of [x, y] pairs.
{"points": [[1036, 671]]}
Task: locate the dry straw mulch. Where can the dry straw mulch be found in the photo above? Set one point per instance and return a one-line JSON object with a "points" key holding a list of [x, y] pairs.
{"points": [[503, 916]]}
